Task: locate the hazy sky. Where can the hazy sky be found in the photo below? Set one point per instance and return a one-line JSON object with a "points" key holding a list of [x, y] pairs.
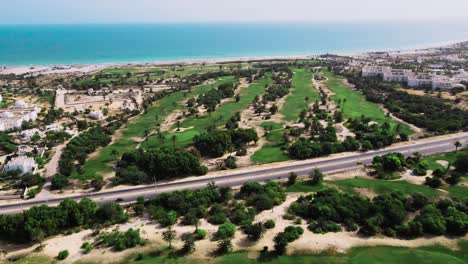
{"points": [[120, 11]]}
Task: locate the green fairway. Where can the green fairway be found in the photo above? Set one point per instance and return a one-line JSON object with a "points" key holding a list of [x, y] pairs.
{"points": [[301, 88], [127, 75], [385, 186], [356, 104], [136, 129], [450, 157], [195, 125], [271, 152]]}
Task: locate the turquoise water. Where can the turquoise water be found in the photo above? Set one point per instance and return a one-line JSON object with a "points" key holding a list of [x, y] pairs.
{"points": [[84, 44]]}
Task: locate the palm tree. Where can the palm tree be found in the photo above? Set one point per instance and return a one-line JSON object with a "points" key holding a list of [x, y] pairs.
{"points": [[457, 144]]}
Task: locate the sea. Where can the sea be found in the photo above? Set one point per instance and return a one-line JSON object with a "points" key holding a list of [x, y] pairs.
{"points": [[22, 45]]}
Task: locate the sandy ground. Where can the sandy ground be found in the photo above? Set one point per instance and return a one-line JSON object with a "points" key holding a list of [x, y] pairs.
{"points": [[152, 233], [18, 70]]}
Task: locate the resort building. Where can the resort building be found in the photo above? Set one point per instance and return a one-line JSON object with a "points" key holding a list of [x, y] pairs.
{"points": [[374, 71], [412, 79], [396, 75], [14, 116], [23, 163]]}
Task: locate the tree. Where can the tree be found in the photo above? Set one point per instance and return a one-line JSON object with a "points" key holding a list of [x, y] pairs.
{"points": [[98, 183], [457, 144], [189, 245], [254, 231], [315, 176], [292, 178], [169, 235], [226, 230]]}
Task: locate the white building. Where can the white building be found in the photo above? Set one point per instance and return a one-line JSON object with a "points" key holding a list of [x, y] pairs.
{"points": [[420, 80], [54, 127], [23, 163], [373, 71], [442, 83], [396, 75], [97, 114], [14, 116]]}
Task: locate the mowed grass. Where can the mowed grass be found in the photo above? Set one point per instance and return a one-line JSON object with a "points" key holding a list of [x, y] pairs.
{"points": [[271, 152], [305, 186], [356, 104], [366, 255], [193, 126], [135, 130], [301, 88], [450, 157], [385, 186]]}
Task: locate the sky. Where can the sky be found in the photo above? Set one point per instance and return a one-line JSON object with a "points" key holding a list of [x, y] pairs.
{"points": [[154, 11]]}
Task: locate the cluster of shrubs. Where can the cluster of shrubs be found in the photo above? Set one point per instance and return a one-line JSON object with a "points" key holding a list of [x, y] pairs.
{"points": [[119, 241], [282, 239], [6, 143], [40, 222], [451, 177], [330, 209], [78, 149], [215, 205], [213, 97], [144, 166], [217, 142]]}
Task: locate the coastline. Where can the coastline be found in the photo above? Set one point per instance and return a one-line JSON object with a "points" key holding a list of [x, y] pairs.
{"points": [[87, 68]]}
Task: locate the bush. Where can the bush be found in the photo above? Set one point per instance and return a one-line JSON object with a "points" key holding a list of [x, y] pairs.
{"points": [[121, 240], [59, 182], [230, 162], [433, 182], [226, 230], [269, 224], [63, 255], [224, 246], [200, 234], [87, 247]]}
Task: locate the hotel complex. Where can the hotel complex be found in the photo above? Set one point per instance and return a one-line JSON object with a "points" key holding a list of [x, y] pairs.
{"points": [[412, 79]]}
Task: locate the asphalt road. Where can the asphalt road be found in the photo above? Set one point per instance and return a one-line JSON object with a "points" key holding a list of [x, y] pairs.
{"points": [[237, 178]]}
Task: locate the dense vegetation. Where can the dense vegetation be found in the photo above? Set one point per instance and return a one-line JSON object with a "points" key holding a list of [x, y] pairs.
{"points": [[214, 96], [40, 222], [6, 143], [215, 204], [78, 149], [119, 241], [427, 112], [216, 143], [330, 209], [145, 166]]}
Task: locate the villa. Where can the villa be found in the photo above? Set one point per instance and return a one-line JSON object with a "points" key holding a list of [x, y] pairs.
{"points": [[23, 163]]}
